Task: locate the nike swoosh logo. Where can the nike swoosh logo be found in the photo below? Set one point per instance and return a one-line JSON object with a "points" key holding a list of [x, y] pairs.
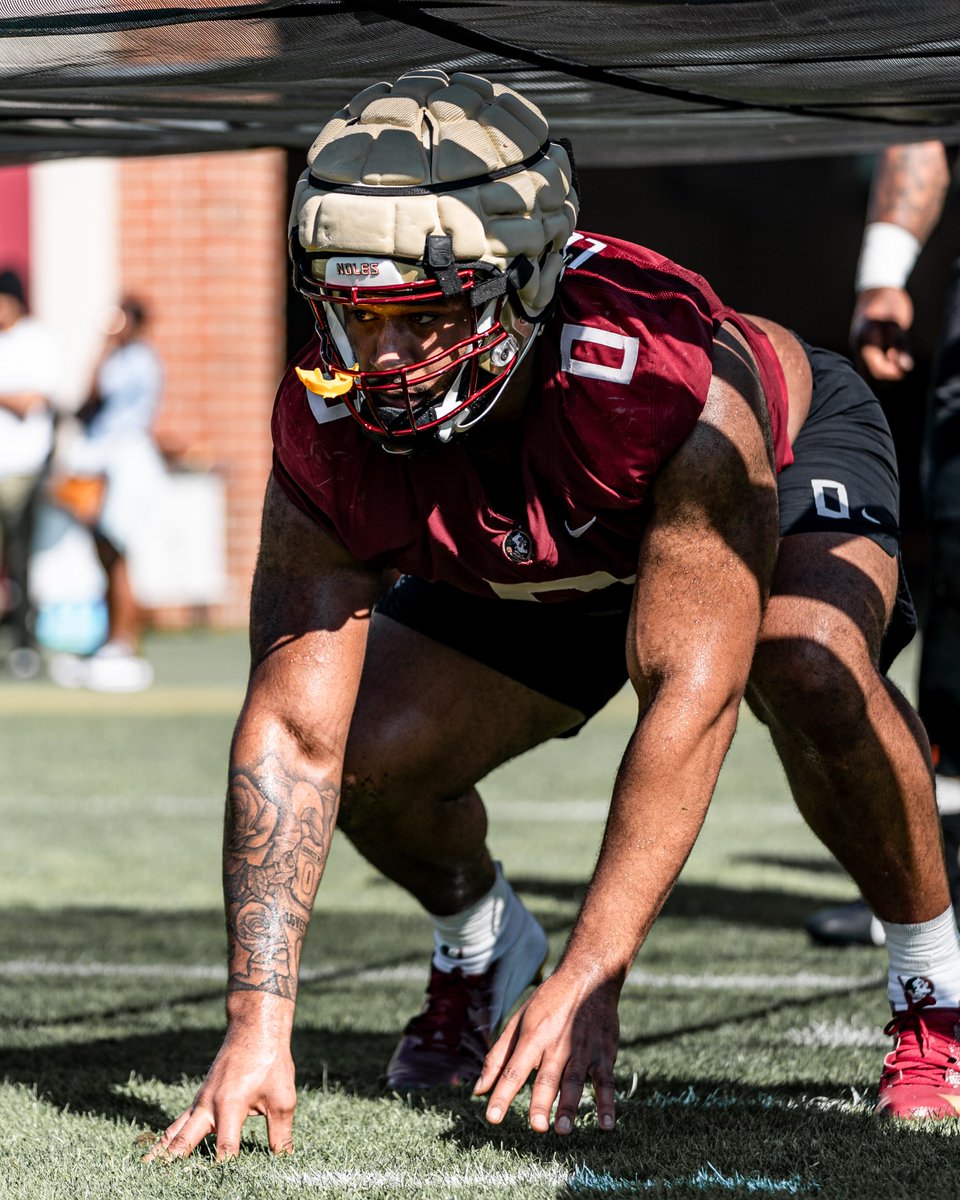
{"points": [[866, 516], [580, 530]]}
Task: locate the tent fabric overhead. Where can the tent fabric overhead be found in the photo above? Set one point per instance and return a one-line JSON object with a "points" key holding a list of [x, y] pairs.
{"points": [[629, 83]]}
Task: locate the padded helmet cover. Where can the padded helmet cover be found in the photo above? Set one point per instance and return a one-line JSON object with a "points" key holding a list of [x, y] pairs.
{"points": [[422, 157]]}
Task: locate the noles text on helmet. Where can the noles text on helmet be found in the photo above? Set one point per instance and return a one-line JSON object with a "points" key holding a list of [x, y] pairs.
{"points": [[438, 191]]}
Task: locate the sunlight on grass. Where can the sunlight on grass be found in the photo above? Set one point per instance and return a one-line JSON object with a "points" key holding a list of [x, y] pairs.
{"points": [[748, 1060]]}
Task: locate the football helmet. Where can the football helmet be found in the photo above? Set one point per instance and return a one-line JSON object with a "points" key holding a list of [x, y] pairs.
{"points": [[428, 190]]}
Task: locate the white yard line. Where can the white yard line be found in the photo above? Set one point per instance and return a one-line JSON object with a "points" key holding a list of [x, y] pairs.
{"points": [[583, 1178], [838, 1033], [549, 812], [804, 980], [162, 700], [417, 973], [438, 1182]]}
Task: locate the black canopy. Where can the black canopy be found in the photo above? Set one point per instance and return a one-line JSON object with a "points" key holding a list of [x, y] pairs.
{"points": [[630, 83]]}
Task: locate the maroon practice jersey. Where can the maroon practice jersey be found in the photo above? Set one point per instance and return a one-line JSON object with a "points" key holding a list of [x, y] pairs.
{"points": [[623, 369]]}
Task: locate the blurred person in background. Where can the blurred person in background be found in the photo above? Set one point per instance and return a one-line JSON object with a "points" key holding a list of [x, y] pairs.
{"points": [[28, 377], [910, 187], [109, 475]]}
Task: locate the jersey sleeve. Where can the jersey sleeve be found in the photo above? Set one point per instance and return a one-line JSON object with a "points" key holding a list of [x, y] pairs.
{"points": [[636, 343], [681, 362], [300, 465], [341, 479], [668, 316]]}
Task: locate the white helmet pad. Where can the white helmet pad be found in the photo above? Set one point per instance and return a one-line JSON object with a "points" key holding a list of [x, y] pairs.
{"points": [[422, 190], [432, 155]]}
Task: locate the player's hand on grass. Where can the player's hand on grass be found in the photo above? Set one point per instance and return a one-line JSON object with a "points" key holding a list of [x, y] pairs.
{"points": [[568, 1032], [253, 1075]]}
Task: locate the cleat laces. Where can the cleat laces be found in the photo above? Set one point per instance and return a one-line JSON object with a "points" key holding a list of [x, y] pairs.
{"points": [[448, 1010], [454, 1003], [923, 1053]]}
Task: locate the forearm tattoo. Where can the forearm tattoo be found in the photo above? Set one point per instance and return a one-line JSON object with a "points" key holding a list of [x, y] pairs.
{"points": [[911, 186], [277, 839]]}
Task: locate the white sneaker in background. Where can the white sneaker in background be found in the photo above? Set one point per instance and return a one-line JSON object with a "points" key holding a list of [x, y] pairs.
{"points": [[114, 668], [68, 670]]}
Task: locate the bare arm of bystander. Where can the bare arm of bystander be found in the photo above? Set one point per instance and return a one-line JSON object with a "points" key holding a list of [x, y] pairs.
{"points": [[910, 186]]}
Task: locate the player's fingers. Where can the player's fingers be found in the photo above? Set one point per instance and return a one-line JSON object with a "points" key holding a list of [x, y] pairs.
{"points": [[187, 1138], [571, 1089], [174, 1128], [885, 349], [229, 1125], [604, 1095], [882, 363], [511, 1078], [545, 1089], [497, 1055], [159, 1147], [280, 1130]]}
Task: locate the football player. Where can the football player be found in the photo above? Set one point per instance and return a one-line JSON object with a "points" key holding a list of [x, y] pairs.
{"points": [[585, 468]]}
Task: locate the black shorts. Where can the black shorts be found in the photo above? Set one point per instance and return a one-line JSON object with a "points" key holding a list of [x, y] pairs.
{"points": [[844, 475], [843, 479]]}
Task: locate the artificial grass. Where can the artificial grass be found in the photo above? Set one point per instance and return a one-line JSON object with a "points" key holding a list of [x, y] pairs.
{"points": [[748, 1058]]}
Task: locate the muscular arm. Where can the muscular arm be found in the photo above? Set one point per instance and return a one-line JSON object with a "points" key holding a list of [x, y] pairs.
{"points": [[310, 610], [308, 620], [704, 576], [910, 186], [705, 571]]}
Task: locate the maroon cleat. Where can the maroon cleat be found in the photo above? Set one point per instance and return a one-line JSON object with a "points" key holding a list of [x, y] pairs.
{"points": [[921, 1075], [445, 1044]]}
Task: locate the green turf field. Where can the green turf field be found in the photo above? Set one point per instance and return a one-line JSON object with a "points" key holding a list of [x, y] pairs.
{"points": [[748, 1062]]}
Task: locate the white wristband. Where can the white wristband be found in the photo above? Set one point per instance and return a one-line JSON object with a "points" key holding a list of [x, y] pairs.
{"points": [[887, 256]]}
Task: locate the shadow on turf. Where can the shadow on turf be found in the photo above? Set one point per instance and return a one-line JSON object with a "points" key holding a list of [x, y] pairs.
{"points": [[811, 866], [673, 1137], [765, 908], [93, 1076], [747, 1017], [722, 1138], [138, 935], [663, 1129]]}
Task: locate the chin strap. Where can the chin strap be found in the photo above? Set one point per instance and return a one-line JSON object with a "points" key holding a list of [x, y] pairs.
{"points": [[439, 260], [463, 425]]}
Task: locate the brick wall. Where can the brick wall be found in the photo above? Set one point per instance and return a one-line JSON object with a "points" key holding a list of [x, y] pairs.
{"points": [[202, 241]]}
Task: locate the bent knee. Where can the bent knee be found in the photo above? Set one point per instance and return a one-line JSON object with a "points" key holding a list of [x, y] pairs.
{"points": [[807, 686], [373, 784], [384, 776], [361, 805]]}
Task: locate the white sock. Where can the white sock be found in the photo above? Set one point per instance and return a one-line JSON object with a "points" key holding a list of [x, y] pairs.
{"points": [[472, 939], [948, 794], [930, 951]]}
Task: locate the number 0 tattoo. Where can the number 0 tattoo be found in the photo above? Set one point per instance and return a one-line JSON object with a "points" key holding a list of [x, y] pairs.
{"points": [[278, 836]]}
